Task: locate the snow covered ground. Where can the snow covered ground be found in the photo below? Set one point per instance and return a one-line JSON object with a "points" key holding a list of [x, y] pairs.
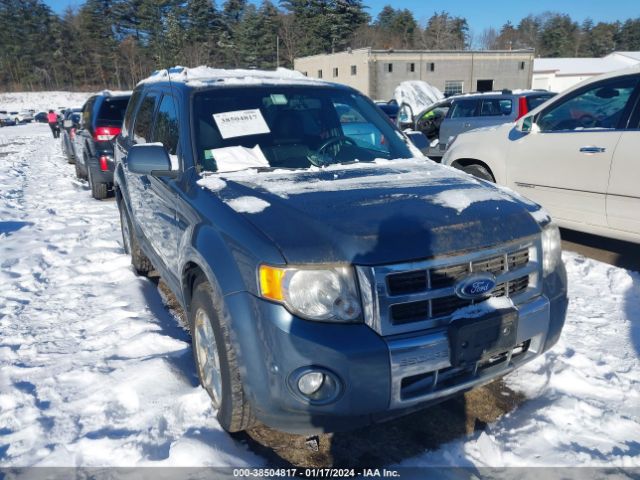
{"points": [[95, 370], [41, 101]]}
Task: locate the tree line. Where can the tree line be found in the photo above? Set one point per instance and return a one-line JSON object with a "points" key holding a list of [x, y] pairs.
{"points": [[115, 43]]}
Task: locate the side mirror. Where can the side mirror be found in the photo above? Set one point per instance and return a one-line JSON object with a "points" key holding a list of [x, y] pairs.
{"points": [[527, 125], [418, 139], [405, 116], [150, 159]]}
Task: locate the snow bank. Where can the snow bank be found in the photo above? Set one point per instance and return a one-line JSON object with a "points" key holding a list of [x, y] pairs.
{"points": [[95, 369], [42, 101], [417, 94]]}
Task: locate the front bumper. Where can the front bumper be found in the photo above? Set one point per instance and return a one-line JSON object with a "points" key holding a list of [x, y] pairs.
{"points": [[371, 369]]}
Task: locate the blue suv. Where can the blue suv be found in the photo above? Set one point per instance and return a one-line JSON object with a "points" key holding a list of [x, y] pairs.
{"points": [[331, 275]]}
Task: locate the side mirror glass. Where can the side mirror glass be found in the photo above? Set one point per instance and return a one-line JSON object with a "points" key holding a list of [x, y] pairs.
{"points": [[405, 116], [150, 159], [527, 125]]}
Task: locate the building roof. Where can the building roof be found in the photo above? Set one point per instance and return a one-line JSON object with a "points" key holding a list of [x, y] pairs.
{"points": [[392, 51], [585, 66]]}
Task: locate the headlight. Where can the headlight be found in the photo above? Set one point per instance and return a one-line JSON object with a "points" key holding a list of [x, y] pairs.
{"points": [[551, 248], [327, 294]]}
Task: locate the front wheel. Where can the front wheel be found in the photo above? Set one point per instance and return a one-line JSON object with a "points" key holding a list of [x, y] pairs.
{"points": [[479, 171], [216, 361]]}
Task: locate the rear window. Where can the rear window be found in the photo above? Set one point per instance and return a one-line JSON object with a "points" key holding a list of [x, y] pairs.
{"points": [[112, 111], [495, 107], [533, 102]]}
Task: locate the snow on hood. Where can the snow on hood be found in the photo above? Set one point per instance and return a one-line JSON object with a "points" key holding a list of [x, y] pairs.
{"points": [[417, 94], [203, 75], [379, 174]]}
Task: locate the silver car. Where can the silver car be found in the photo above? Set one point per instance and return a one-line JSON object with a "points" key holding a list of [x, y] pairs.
{"points": [[442, 121]]}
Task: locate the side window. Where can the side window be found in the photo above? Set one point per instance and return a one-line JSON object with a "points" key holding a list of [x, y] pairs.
{"points": [[495, 107], [463, 108], [166, 125], [86, 113], [599, 106], [128, 116], [144, 119], [348, 114]]}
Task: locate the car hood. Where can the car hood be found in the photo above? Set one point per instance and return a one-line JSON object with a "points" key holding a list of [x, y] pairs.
{"points": [[373, 213]]}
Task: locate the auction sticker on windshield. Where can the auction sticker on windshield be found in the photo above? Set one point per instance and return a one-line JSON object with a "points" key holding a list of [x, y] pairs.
{"points": [[241, 123]]}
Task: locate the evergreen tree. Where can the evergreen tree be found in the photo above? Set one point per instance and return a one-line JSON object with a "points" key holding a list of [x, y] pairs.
{"points": [[628, 37], [557, 37], [444, 32]]}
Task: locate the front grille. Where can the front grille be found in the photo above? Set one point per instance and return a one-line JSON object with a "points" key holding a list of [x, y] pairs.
{"points": [[445, 306], [442, 277], [421, 294]]}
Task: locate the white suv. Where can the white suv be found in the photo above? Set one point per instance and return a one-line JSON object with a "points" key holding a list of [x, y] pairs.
{"points": [[576, 154], [23, 116]]}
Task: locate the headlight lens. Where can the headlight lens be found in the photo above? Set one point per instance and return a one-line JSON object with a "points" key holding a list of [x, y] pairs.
{"points": [[551, 248], [326, 294]]}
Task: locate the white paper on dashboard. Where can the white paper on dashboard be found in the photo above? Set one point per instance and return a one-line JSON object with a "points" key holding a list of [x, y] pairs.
{"points": [[232, 159], [241, 123]]}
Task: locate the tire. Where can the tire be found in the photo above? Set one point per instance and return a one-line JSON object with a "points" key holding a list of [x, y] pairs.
{"points": [[78, 171], [234, 413], [82, 175], [98, 189], [141, 263], [479, 171]]}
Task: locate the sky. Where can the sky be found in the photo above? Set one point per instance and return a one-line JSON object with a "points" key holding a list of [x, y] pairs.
{"points": [[483, 14]]}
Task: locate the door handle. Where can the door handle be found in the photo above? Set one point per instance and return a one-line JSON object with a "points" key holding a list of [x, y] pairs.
{"points": [[592, 149]]}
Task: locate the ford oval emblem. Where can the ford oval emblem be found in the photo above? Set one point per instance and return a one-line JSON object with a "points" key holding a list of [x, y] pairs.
{"points": [[476, 286]]}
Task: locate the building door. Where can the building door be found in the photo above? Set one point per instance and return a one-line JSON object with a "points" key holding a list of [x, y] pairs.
{"points": [[484, 85]]}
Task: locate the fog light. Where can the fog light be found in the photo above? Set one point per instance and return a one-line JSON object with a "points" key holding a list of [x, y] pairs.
{"points": [[310, 383], [315, 385]]}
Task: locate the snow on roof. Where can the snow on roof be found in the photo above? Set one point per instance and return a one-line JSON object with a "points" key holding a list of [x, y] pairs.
{"points": [[115, 93], [203, 75], [633, 57], [417, 94], [586, 66]]}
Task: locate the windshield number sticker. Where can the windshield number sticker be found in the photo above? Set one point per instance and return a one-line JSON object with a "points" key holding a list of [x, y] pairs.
{"points": [[241, 123]]}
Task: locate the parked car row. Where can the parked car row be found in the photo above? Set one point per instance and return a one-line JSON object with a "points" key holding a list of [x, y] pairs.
{"points": [[9, 118], [87, 139], [442, 121]]}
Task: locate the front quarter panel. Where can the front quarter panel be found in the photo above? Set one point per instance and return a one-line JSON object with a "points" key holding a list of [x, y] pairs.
{"points": [[220, 241], [490, 146]]}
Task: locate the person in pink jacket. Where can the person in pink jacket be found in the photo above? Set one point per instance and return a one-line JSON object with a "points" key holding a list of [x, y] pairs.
{"points": [[52, 119]]}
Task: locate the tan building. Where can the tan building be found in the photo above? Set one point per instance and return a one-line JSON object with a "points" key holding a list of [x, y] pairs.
{"points": [[376, 73]]}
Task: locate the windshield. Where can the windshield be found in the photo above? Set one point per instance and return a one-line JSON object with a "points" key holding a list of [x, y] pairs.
{"points": [[290, 127]]}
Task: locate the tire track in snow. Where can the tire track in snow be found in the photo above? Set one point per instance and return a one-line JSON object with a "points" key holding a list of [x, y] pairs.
{"points": [[95, 370]]}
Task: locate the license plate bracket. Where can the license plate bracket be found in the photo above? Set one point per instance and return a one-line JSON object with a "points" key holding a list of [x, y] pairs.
{"points": [[472, 339]]}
